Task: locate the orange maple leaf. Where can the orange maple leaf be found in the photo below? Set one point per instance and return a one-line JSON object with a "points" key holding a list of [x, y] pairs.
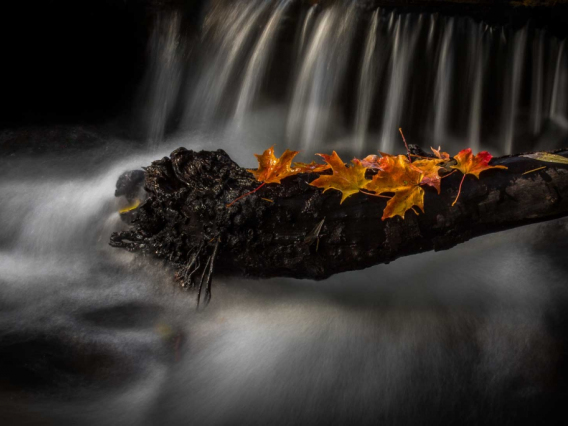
{"points": [[348, 180], [469, 164], [375, 162], [402, 179], [312, 167], [272, 169], [430, 167], [439, 154]]}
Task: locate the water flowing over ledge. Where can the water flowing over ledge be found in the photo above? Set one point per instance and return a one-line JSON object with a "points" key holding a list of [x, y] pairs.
{"points": [[349, 76]]}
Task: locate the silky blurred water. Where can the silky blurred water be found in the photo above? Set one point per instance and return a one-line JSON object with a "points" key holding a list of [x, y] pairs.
{"points": [[91, 334]]}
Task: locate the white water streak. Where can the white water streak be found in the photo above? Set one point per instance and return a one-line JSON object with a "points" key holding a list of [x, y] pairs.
{"points": [[306, 28], [432, 31], [443, 85], [321, 76], [537, 83], [367, 84], [234, 34], [511, 105], [258, 63], [476, 69], [164, 77], [401, 59], [558, 91]]}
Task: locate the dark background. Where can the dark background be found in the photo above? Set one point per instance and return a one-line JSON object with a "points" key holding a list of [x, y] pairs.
{"points": [[70, 61]]}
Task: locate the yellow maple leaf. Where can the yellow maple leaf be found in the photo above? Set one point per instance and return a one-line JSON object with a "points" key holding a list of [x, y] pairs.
{"points": [[348, 180], [312, 167], [547, 157], [430, 167], [402, 179], [272, 169]]}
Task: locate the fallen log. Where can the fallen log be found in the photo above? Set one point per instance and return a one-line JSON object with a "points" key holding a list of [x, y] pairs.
{"points": [[295, 230]]}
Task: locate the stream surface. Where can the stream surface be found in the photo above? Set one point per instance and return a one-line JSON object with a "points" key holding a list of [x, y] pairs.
{"points": [[93, 335]]}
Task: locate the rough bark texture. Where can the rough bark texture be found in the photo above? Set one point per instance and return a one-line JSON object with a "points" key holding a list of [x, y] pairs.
{"points": [[185, 219]]}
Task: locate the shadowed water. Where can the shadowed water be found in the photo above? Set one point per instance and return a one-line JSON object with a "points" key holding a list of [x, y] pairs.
{"points": [[93, 335]]}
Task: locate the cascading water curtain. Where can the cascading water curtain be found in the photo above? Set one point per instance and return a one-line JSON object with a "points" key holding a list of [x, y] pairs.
{"points": [[348, 78]]}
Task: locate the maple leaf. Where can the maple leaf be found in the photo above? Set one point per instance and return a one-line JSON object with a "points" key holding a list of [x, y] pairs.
{"points": [[348, 180], [312, 167], [272, 169], [371, 162], [547, 157], [375, 162], [402, 179], [131, 207], [439, 154], [430, 170], [469, 164]]}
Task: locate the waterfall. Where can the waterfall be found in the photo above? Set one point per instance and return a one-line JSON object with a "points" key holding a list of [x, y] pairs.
{"points": [[401, 58], [558, 99], [306, 28], [163, 78], [229, 38], [341, 75], [476, 65], [258, 62], [320, 77], [367, 83], [536, 100], [443, 84], [511, 104]]}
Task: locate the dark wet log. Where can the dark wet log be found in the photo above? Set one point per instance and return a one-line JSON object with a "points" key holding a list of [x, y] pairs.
{"points": [[296, 230]]}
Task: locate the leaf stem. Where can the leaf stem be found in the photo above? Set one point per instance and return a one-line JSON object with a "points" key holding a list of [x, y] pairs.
{"points": [[375, 195], [248, 193], [405, 144], [451, 173], [459, 191], [534, 170]]}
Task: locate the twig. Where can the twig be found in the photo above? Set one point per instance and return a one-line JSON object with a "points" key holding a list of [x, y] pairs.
{"points": [[374, 195], [405, 144], [534, 170], [243, 196], [451, 173], [459, 191]]}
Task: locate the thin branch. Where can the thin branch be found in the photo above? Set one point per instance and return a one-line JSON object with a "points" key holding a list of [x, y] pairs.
{"points": [[243, 196], [405, 144], [459, 191], [534, 170]]}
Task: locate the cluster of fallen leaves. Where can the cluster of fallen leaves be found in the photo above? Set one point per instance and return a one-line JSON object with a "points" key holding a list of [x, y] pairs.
{"points": [[399, 178]]}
